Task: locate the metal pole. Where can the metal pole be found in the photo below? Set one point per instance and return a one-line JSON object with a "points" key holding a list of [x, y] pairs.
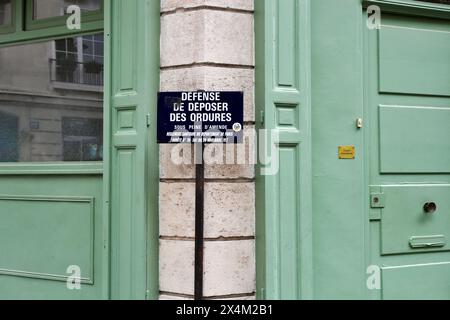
{"points": [[199, 220]]}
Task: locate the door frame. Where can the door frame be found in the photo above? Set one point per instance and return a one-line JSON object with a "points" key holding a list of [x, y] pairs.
{"points": [[131, 34], [284, 271]]}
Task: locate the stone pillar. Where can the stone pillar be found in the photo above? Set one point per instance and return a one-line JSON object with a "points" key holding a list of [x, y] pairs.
{"points": [[208, 45]]}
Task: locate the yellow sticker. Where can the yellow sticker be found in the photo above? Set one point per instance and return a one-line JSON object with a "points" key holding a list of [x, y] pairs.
{"points": [[347, 152]]}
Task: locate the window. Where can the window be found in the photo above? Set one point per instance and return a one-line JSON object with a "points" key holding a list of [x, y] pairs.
{"points": [[45, 14], [92, 59], [79, 60], [43, 123], [82, 139], [5, 12], [43, 9], [437, 1]]}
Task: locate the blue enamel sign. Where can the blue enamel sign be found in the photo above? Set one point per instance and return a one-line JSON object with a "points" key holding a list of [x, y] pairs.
{"points": [[200, 117]]}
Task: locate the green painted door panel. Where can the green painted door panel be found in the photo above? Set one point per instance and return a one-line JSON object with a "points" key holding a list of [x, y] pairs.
{"points": [[284, 211], [416, 282], [134, 62], [414, 139], [337, 185], [405, 225], [418, 64], [319, 69], [408, 163], [48, 224]]}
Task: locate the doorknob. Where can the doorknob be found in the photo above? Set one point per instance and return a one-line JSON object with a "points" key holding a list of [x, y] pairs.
{"points": [[430, 207]]}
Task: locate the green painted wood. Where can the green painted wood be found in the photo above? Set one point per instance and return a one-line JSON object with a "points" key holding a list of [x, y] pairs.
{"points": [[411, 7], [413, 178], [134, 38], [52, 214], [44, 226], [51, 168], [57, 29], [287, 49], [284, 241], [346, 232], [49, 223], [403, 282], [404, 218], [130, 163], [422, 146], [339, 196], [34, 24], [426, 72]]}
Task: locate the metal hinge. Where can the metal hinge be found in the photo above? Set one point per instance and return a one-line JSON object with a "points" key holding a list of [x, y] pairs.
{"points": [[148, 119], [263, 119]]}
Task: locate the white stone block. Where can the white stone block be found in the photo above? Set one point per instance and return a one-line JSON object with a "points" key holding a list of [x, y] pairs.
{"points": [[207, 36], [229, 210], [213, 79], [176, 162], [177, 207], [176, 266], [170, 297], [169, 5], [229, 268]]}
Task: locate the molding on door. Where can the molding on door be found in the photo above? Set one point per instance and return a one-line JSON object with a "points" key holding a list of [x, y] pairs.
{"points": [[408, 7]]}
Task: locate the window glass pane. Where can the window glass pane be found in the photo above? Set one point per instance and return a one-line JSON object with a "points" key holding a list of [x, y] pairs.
{"points": [[5, 12], [51, 103], [437, 1], [88, 47], [98, 48], [54, 8]]}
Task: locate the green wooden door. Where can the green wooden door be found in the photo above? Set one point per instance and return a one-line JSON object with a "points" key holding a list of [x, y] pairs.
{"points": [[326, 225], [408, 110], [53, 222], [77, 151]]}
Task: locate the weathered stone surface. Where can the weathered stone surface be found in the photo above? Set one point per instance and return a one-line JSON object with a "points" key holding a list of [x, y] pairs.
{"points": [[177, 208], [176, 162], [176, 266], [213, 79], [169, 5], [207, 36], [229, 210], [229, 267], [170, 297]]}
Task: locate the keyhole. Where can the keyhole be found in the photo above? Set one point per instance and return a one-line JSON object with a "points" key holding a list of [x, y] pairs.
{"points": [[430, 207]]}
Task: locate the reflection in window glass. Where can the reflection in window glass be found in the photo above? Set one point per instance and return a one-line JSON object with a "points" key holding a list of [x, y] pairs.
{"points": [[437, 1], [51, 102], [54, 8], [5, 12]]}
